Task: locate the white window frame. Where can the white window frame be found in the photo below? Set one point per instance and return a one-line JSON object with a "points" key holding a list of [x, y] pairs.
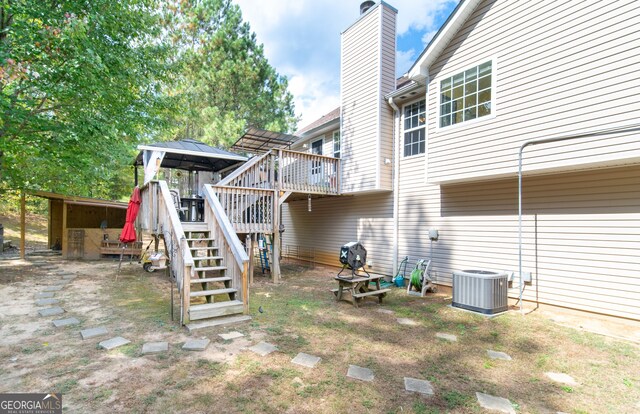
{"points": [[424, 126], [339, 141], [494, 107]]}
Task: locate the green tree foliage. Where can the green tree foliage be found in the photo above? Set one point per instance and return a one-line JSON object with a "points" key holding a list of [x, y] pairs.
{"points": [[80, 86], [84, 81], [225, 83]]}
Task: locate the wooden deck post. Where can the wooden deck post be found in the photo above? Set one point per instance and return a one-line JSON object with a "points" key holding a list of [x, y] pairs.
{"points": [[23, 224], [275, 266]]}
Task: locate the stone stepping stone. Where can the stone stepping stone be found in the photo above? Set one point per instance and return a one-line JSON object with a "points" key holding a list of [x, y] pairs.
{"points": [[418, 385], [65, 322], [54, 288], [386, 311], [113, 343], [306, 360], [154, 347], [51, 311], [231, 335], [48, 267], [263, 348], [407, 321], [93, 332], [490, 402], [48, 301], [44, 295], [360, 373], [561, 378], [498, 355], [196, 345], [69, 276], [447, 337]]}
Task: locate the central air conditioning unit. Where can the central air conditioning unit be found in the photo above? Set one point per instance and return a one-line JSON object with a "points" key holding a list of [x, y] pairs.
{"points": [[483, 291]]}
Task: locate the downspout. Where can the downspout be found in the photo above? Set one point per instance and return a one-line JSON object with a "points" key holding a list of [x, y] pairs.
{"points": [[544, 141], [396, 182]]}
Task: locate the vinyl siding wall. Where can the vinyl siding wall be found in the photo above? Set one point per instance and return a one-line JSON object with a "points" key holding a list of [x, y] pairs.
{"points": [[580, 240], [367, 73], [334, 221], [562, 68]]}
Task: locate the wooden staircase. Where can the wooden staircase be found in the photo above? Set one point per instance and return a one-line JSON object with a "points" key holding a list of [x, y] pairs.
{"points": [[212, 293]]}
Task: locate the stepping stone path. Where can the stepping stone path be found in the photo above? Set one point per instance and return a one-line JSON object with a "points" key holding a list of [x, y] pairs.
{"points": [[306, 360], [196, 345], [386, 311], [561, 378], [49, 301], [407, 321], [498, 355], [263, 348], [495, 403], [418, 385], [231, 335], [44, 295], [155, 347], [447, 337], [93, 332], [54, 288], [113, 343], [51, 311], [65, 322], [360, 373]]}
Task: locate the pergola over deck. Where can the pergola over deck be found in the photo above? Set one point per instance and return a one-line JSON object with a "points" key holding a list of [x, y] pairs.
{"points": [[258, 141]]}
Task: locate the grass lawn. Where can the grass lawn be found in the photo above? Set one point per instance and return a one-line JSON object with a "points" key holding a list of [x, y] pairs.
{"points": [[300, 315]]}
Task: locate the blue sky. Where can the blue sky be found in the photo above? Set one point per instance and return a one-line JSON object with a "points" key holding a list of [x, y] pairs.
{"points": [[301, 39]]}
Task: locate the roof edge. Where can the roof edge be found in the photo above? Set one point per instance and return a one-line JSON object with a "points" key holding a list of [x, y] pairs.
{"points": [[459, 15]]}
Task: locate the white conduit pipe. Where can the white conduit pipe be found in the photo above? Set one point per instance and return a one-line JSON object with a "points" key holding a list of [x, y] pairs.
{"points": [[544, 141]]}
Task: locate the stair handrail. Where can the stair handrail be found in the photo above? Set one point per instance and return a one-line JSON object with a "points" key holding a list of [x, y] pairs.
{"points": [[253, 161], [184, 267]]}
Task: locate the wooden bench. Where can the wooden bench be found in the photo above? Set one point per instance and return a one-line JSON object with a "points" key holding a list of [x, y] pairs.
{"points": [[115, 247]]}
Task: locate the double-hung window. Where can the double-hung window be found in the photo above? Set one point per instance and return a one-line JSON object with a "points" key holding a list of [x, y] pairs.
{"points": [[415, 119], [466, 95], [336, 144]]}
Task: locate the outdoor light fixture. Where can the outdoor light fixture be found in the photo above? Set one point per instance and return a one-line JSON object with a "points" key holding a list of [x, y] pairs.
{"points": [[309, 203]]}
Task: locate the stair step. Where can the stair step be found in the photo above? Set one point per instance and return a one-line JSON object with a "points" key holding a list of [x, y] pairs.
{"points": [[209, 268], [212, 292], [193, 248], [195, 227], [208, 258], [210, 279], [201, 239], [213, 310], [230, 320]]}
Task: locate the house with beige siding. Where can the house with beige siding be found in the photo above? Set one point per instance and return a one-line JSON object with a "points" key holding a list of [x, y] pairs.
{"points": [[439, 149]]}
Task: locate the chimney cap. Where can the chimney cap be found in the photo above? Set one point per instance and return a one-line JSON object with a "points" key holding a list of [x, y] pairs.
{"points": [[366, 5]]}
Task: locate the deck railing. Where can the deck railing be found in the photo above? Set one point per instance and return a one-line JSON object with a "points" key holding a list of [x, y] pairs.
{"points": [[229, 245], [308, 173], [158, 216], [249, 210], [286, 170]]}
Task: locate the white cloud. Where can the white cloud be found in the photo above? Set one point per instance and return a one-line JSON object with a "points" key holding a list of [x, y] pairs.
{"points": [[404, 60], [302, 41]]}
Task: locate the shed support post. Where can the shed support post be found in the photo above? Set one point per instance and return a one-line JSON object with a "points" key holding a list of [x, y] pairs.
{"points": [[23, 224]]}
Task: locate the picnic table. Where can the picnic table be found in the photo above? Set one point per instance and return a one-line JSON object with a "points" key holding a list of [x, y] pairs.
{"points": [[359, 288]]}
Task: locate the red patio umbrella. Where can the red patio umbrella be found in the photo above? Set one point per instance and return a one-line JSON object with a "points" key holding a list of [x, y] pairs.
{"points": [[128, 234]]}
